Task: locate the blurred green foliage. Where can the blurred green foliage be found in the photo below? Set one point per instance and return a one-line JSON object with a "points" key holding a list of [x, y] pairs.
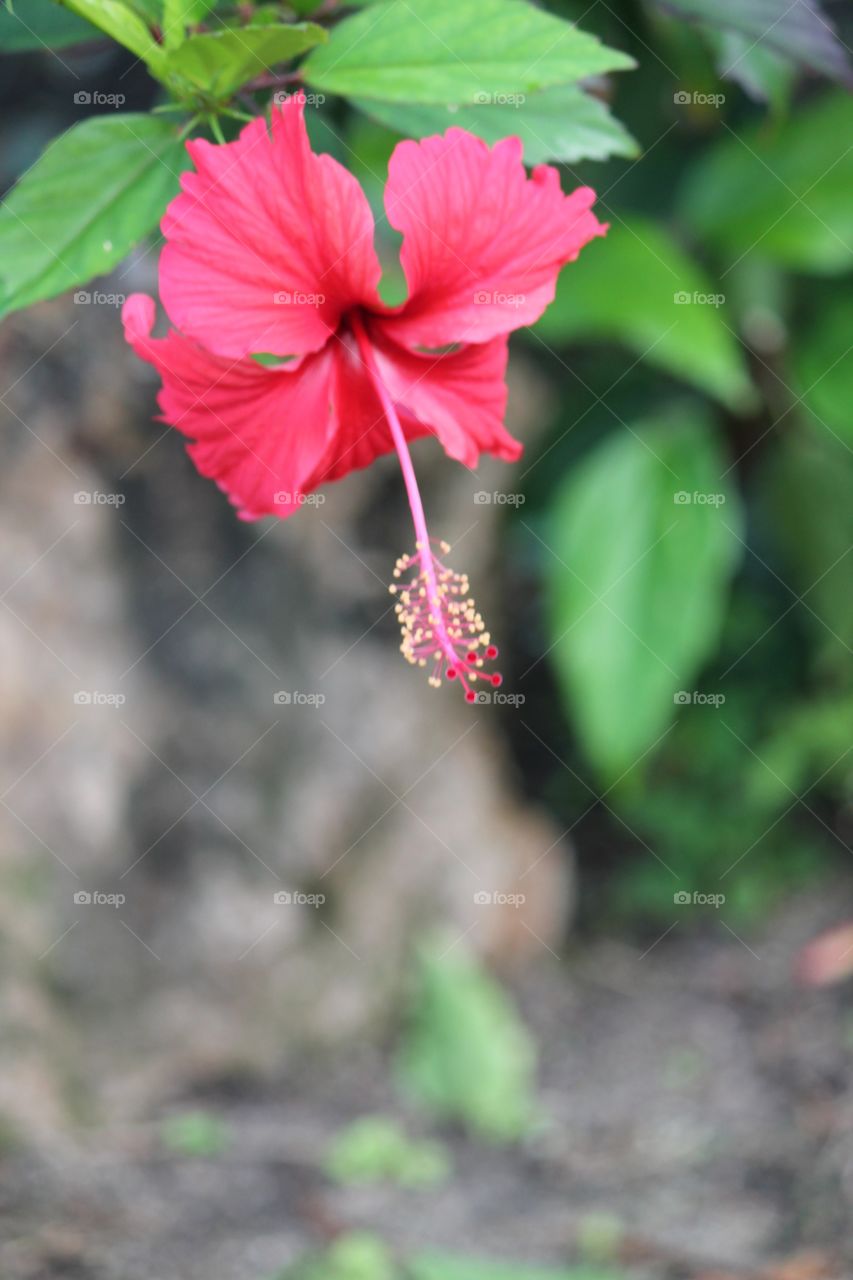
{"points": [[361, 1256], [638, 575], [377, 1149], [465, 1053], [782, 187], [625, 289], [195, 1133], [355, 1256], [703, 651], [439, 1266]]}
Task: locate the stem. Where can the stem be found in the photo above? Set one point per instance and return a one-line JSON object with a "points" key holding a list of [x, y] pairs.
{"points": [[188, 128], [269, 80], [216, 129]]}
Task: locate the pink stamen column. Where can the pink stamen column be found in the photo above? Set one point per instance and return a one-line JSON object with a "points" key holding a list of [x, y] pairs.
{"points": [[438, 618]]}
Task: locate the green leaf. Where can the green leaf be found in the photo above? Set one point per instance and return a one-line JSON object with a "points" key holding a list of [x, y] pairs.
{"points": [[764, 74], [148, 10], [643, 538], [810, 481], [41, 24], [96, 191], [466, 1053], [808, 740], [179, 14], [218, 62], [560, 123], [120, 22], [357, 1255], [783, 191], [195, 1133], [443, 51], [798, 30], [377, 1149], [638, 287], [361, 1256], [823, 367], [441, 1266]]}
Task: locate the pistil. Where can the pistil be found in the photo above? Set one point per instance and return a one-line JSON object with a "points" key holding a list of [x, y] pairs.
{"points": [[439, 622]]}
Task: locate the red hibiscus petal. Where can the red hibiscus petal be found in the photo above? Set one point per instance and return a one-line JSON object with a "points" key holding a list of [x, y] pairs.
{"points": [[258, 432], [483, 243], [268, 244]]}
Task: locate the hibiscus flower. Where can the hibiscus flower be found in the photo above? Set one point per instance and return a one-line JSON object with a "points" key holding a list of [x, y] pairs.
{"points": [[269, 253]]}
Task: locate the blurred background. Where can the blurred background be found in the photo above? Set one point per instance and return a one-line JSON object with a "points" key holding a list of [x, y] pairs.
{"points": [[310, 971]]}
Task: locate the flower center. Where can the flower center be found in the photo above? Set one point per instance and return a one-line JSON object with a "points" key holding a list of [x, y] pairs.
{"points": [[438, 618]]}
